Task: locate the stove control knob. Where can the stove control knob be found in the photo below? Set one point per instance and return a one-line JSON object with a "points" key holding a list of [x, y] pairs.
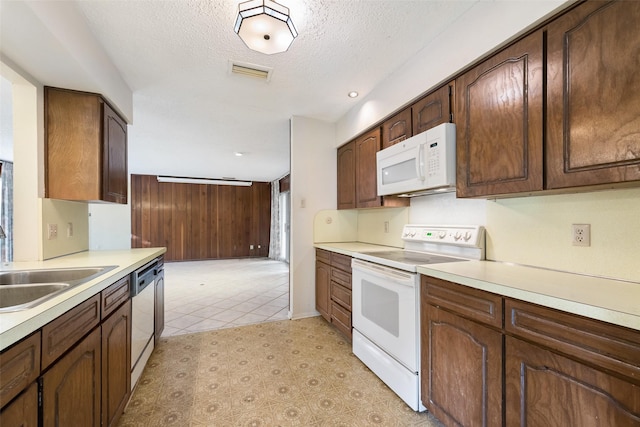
{"points": [[457, 236], [467, 236], [442, 234]]}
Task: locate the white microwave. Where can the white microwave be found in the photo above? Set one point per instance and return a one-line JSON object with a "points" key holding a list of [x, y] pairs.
{"points": [[421, 164]]}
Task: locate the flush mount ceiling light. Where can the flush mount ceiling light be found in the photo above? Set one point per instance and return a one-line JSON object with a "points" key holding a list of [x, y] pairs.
{"points": [[265, 26], [353, 94]]}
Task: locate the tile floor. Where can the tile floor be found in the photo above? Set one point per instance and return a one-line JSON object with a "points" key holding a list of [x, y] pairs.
{"points": [[207, 295]]}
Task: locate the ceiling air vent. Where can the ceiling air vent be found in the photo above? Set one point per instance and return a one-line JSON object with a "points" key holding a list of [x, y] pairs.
{"points": [[250, 70]]}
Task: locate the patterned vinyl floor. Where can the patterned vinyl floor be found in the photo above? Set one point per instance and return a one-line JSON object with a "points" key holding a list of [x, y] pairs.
{"points": [[280, 373]]}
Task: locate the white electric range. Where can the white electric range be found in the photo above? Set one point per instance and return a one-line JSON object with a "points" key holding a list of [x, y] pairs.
{"points": [[386, 300]]}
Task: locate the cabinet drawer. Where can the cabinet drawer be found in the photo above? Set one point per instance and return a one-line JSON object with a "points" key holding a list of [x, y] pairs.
{"points": [[114, 296], [341, 295], [62, 333], [19, 366], [341, 318], [612, 348], [341, 277], [340, 261], [324, 256], [474, 304]]}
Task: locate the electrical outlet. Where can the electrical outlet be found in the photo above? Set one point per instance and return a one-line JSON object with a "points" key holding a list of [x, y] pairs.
{"points": [[53, 231], [386, 226], [581, 234], [69, 229]]}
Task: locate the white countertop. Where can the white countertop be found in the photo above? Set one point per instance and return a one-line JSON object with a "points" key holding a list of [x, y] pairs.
{"points": [[349, 248], [17, 325], [609, 300]]}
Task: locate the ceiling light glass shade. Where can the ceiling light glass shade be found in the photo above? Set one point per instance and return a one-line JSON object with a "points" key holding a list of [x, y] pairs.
{"points": [[265, 26]]}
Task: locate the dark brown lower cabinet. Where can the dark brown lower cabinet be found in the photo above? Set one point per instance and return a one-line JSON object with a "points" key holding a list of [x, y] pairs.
{"points": [[158, 319], [546, 389], [333, 289], [461, 370], [489, 360], [71, 388], [323, 289], [116, 364], [23, 411]]}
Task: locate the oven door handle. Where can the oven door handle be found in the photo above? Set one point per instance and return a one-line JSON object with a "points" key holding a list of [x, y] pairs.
{"points": [[399, 277]]}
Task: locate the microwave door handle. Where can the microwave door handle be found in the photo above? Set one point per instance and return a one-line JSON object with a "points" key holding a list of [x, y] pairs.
{"points": [[420, 163]]}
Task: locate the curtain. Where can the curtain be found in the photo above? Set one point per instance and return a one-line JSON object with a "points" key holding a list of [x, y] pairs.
{"points": [[274, 239], [6, 206]]}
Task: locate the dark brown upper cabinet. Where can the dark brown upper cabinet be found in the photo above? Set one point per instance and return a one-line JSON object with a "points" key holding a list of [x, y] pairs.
{"points": [[357, 176], [397, 128], [86, 148], [434, 109], [366, 147], [593, 92], [499, 122], [347, 176]]}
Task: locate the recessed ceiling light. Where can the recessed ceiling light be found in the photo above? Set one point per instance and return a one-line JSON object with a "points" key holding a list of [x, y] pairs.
{"points": [[238, 154], [353, 94]]}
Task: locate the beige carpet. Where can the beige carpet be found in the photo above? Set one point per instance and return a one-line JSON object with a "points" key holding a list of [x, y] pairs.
{"points": [[284, 373]]}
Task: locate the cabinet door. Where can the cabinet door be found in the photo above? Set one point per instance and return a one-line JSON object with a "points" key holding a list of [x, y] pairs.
{"points": [[461, 365], [432, 110], [23, 411], [546, 389], [73, 145], [397, 128], [159, 307], [19, 366], [366, 179], [116, 364], [114, 180], [347, 176], [499, 122], [593, 92], [71, 388], [323, 290]]}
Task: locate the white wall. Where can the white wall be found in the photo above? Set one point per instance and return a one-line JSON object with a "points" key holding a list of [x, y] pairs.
{"points": [[110, 226], [446, 209], [6, 119], [28, 166], [313, 188], [51, 41], [537, 231]]}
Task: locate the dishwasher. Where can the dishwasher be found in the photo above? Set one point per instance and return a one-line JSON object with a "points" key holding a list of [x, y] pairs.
{"points": [[142, 317]]}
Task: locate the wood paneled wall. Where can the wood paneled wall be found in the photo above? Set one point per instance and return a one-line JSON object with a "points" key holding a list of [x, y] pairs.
{"points": [[200, 221]]}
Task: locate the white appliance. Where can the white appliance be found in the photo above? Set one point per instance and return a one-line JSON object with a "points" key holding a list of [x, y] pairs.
{"points": [[422, 164], [386, 301], [142, 317]]}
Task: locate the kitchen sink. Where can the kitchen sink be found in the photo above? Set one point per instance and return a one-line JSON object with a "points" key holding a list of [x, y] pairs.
{"points": [[20, 290]]}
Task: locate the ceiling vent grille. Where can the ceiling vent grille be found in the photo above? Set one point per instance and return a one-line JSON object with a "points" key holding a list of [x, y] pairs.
{"points": [[250, 70]]}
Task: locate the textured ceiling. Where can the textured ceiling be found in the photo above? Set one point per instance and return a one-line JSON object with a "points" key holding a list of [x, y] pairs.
{"points": [[190, 114]]}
